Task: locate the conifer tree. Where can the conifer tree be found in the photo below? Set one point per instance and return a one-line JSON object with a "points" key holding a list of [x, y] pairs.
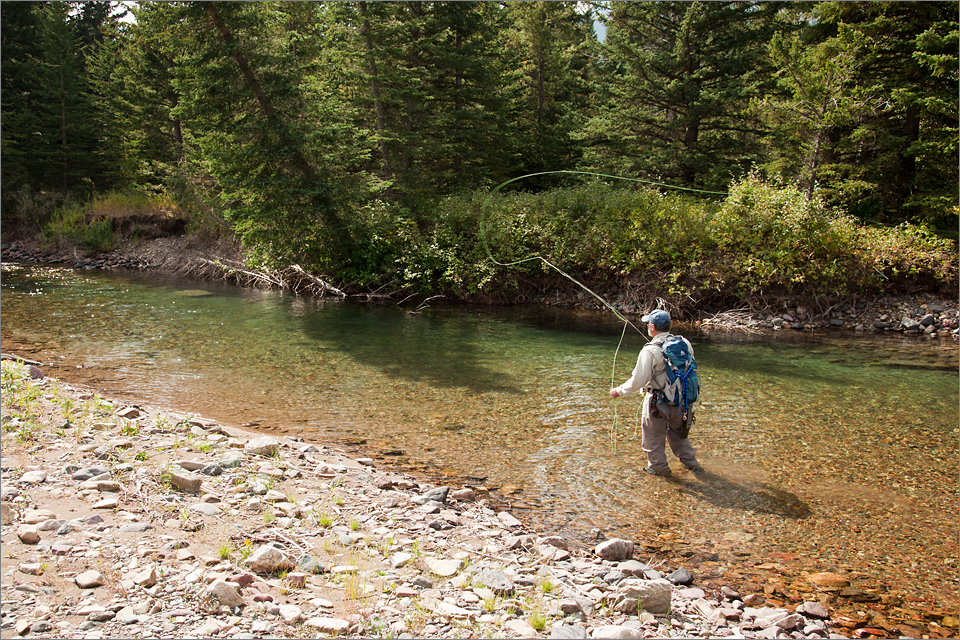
{"points": [[677, 79]]}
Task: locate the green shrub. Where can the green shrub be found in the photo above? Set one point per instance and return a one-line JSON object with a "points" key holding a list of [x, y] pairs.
{"points": [[773, 236], [72, 225]]}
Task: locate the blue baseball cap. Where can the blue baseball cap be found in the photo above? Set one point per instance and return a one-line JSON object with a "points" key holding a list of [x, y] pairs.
{"points": [[658, 318]]}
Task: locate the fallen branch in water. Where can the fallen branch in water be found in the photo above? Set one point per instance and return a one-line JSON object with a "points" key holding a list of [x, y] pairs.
{"points": [[326, 287]]}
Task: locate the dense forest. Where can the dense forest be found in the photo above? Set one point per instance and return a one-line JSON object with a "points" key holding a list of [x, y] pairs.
{"points": [[362, 139]]}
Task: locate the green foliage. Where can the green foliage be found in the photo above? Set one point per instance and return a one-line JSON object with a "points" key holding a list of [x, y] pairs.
{"points": [[74, 226], [774, 237]]}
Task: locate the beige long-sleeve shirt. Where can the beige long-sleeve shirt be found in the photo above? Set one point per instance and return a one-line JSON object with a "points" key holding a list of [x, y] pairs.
{"points": [[650, 372]]}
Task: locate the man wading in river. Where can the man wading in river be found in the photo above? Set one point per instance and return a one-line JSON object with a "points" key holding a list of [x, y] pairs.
{"points": [[663, 420]]}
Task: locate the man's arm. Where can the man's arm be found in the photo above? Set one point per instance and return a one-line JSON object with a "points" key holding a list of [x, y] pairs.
{"points": [[642, 374]]}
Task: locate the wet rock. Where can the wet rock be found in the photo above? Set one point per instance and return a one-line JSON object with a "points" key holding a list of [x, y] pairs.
{"points": [[828, 580], [813, 610]]}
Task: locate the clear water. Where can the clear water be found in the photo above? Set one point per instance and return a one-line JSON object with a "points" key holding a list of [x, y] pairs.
{"points": [[841, 450]]}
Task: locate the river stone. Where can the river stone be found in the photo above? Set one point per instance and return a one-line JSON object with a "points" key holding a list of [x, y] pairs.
{"points": [[653, 596], [909, 323], [828, 580], [224, 593], [568, 632], [265, 446], [231, 462], [36, 516], [33, 477], [183, 480], [290, 613], [269, 559], [135, 527], [680, 576], [51, 525], [310, 564], [464, 495], [89, 579], [275, 496], [212, 470], [146, 578], [205, 508], [28, 534], [615, 632], [191, 465], [400, 559], [438, 495], [326, 624], [6, 514], [615, 550], [813, 610], [495, 580], [443, 568], [107, 503], [632, 568]]}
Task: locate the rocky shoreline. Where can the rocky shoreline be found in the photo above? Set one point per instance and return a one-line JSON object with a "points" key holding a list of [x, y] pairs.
{"points": [[132, 521], [922, 314]]}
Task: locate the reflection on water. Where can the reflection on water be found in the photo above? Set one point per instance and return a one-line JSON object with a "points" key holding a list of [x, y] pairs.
{"points": [[841, 449]]}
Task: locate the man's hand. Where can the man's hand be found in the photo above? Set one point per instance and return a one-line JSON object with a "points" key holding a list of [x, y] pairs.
{"points": [[614, 394]]}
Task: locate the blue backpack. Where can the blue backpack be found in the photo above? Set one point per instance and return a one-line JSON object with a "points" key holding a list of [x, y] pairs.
{"points": [[683, 384]]}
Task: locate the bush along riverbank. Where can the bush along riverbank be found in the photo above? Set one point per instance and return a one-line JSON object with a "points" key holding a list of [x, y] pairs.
{"points": [[926, 314], [123, 520]]}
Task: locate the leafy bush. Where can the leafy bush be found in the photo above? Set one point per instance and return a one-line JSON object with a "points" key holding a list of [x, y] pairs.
{"points": [[773, 236]]}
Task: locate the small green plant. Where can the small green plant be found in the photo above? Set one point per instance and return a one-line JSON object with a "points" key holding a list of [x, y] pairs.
{"points": [[267, 516], [141, 456], [205, 447], [130, 430], [325, 520], [225, 549], [354, 524], [246, 549], [537, 620]]}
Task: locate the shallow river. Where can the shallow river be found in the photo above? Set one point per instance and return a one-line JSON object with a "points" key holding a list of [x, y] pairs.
{"points": [[830, 453]]}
